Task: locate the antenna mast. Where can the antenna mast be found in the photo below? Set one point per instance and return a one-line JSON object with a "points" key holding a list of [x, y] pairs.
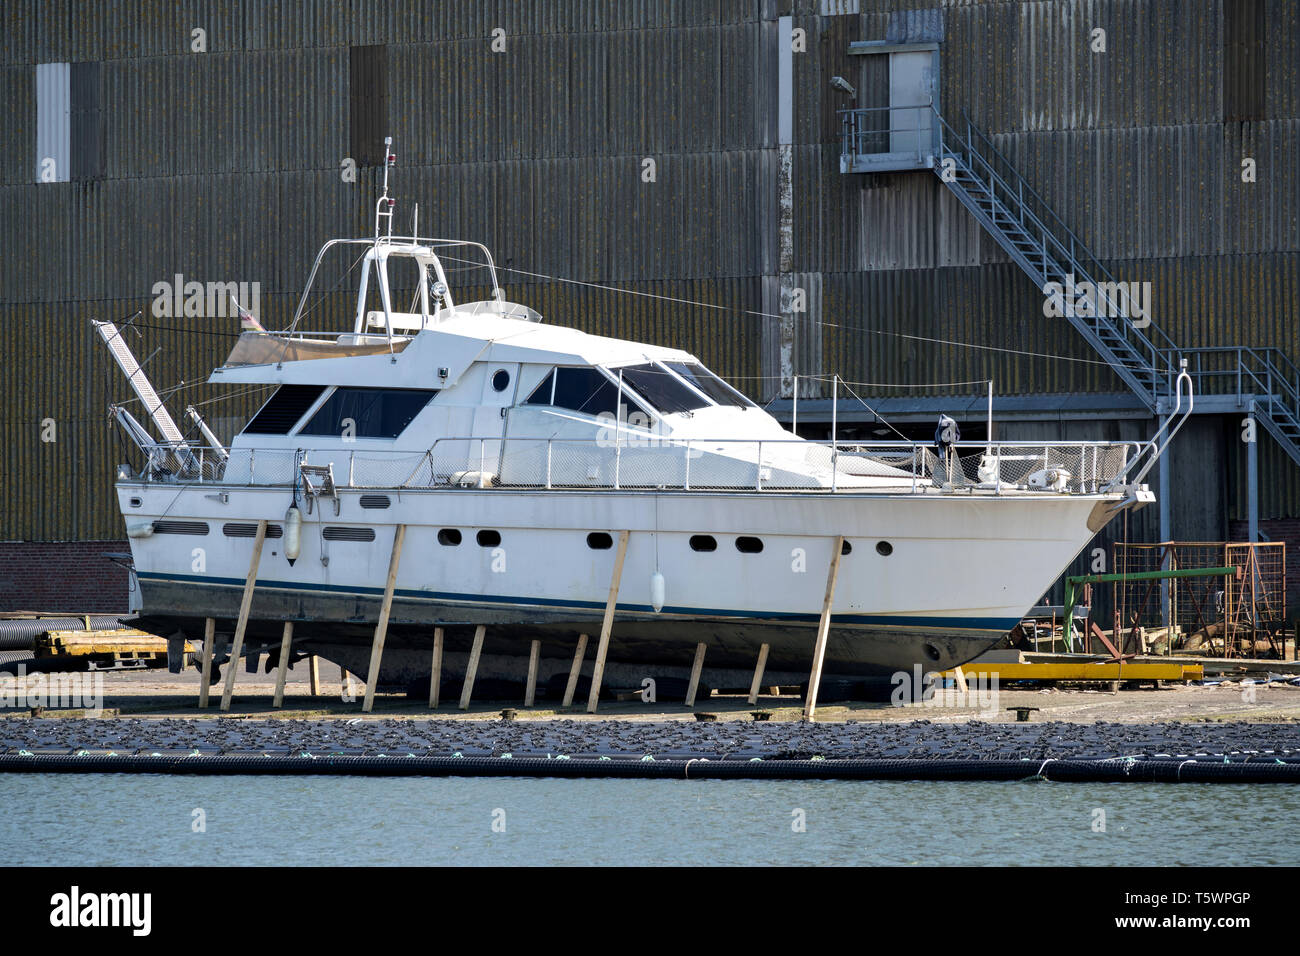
{"points": [[384, 208]]}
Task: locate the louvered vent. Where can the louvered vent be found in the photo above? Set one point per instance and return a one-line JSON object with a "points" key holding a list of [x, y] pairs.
{"points": [[349, 534], [239, 530], [180, 527]]}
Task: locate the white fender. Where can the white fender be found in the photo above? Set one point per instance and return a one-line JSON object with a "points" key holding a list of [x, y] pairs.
{"points": [[292, 534]]}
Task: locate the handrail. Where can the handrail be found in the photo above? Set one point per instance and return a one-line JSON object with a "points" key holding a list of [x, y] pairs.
{"points": [[686, 464]]}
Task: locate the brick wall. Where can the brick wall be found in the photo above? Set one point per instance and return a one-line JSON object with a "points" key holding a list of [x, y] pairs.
{"points": [[62, 576]]}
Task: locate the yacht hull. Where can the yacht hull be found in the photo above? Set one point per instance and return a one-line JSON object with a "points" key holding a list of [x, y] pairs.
{"points": [[928, 580]]}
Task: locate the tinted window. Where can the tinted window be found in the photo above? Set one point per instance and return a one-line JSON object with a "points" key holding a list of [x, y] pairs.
{"points": [[283, 410], [542, 393], [375, 412], [657, 386], [585, 390], [709, 384]]}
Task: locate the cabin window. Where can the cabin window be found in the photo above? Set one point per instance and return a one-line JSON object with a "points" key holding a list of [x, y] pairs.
{"points": [[747, 544], [599, 541], [500, 380], [585, 390], [884, 548], [704, 542], [283, 409], [376, 501], [368, 412], [661, 388], [846, 548], [488, 539], [708, 383], [449, 537], [542, 393]]}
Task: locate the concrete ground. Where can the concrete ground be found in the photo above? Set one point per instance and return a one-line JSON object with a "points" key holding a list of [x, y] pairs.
{"points": [[156, 693]]}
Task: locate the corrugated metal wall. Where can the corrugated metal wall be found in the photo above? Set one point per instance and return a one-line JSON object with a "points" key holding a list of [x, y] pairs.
{"points": [[225, 166]]}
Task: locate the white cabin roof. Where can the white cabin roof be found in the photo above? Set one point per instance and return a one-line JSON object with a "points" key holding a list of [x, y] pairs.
{"points": [[454, 344]]}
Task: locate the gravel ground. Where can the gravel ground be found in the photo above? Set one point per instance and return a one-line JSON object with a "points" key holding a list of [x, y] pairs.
{"points": [[661, 739]]}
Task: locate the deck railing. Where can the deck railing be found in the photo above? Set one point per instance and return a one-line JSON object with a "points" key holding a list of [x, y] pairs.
{"points": [[685, 465]]}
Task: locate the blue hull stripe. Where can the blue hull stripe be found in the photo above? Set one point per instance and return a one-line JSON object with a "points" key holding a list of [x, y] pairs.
{"points": [[958, 623]]}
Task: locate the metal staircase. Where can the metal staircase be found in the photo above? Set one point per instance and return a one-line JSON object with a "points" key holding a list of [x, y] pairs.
{"points": [[1264, 383], [1049, 252]]}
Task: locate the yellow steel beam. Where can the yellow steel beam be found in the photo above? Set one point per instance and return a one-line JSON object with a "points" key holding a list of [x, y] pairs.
{"points": [[1128, 670]]}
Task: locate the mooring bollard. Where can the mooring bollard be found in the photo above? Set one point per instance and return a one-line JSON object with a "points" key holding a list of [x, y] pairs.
{"points": [[1022, 713]]}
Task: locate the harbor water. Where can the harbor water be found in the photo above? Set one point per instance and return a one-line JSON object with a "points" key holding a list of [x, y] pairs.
{"points": [[323, 821]]}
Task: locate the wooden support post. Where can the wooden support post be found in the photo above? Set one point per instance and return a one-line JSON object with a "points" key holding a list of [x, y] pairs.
{"points": [[209, 638], [345, 683], [381, 628], [530, 691], [696, 668], [574, 671], [823, 631], [602, 648], [959, 678], [758, 673], [282, 671], [474, 652], [435, 673], [236, 649], [313, 673]]}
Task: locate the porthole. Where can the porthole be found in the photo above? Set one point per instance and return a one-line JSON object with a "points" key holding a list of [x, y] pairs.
{"points": [[884, 548], [136, 502], [599, 541], [449, 536], [500, 380], [932, 652], [846, 548], [488, 539], [748, 544], [703, 542]]}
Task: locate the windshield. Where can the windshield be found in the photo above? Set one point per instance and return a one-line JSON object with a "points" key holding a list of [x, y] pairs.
{"points": [[661, 388], [709, 384]]}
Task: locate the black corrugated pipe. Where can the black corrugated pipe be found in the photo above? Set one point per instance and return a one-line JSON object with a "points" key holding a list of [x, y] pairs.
{"points": [[1137, 770]]}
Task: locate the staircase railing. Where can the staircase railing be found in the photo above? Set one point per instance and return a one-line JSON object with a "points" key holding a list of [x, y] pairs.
{"points": [[1058, 249], [989, 185]]}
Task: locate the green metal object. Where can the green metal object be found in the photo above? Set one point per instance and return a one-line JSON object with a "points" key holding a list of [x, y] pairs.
{"points": [[1080, 579]]}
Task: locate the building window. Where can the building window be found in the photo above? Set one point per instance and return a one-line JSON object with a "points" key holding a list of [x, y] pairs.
{"points": [[1244, 43], [69, 122], [368, 103]]}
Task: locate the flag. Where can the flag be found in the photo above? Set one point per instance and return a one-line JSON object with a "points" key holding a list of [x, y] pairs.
{"points": [[247, 323]]}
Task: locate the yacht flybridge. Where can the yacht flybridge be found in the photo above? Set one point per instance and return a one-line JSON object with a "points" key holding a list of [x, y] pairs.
{"points": [[466, 463]]}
